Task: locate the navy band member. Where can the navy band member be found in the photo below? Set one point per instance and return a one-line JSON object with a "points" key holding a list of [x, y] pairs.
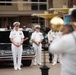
{"points": [[66, 46], [50, 41], [51, 36], [16, 37]]}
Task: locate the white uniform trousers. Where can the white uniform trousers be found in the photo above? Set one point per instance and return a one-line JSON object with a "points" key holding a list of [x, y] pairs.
{"points": [[55, 58], [17, 55], [38, 50]]}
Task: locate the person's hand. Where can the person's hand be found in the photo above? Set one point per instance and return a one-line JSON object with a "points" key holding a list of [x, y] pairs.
{"points": [[38, 43], [26, 38], [65, 32], [18, 44], [53, 38]]}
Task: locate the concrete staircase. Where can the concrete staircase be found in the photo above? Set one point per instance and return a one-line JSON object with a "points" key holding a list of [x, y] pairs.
{"points": [[46, 56]]}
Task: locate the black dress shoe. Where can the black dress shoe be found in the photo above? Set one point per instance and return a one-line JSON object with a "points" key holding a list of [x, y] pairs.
{"points": [[50, 61]]}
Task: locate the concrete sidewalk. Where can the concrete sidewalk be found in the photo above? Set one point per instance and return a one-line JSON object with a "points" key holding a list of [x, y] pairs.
{"points": [[54, 70], [32, 70]]}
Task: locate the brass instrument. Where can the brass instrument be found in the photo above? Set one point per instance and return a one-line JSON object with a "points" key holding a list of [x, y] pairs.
{"points": [[57, 23]]}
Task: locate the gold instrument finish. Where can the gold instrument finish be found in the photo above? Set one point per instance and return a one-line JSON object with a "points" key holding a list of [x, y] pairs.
{"points": [[57, 23]]}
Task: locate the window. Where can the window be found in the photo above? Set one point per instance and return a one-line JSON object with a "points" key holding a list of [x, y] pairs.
{"points": [[2, 3], [42, 0], [34, 20], [42, 7], [41, 21], [34, 0], [38, 20], [25, 0], [34, 7], [5, 3]]}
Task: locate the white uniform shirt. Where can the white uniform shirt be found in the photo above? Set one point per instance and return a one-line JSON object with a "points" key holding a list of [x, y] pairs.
{"points": [[66, 46], [52, 35], [37, 36], [58, 34], [16, 35]]}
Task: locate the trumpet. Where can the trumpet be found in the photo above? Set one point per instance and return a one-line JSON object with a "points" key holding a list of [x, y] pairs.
{"points": [[57, 23]]}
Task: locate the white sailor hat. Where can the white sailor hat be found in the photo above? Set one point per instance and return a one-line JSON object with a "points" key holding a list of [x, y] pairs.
{"points": [[24, 26], [70, 10], [37, 26], [16, 23]]}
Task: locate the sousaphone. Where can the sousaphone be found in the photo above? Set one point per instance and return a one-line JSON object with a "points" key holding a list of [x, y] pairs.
{"points": [[57, 23]]}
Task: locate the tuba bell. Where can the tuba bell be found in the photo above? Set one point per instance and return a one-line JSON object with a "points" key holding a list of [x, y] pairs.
{"points": [[57, 23]]}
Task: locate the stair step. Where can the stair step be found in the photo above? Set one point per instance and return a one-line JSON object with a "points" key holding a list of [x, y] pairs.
{"points": [[46, 56]]}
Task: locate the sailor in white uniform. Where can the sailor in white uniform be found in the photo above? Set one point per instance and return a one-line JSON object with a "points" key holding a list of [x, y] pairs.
{"points": [[16, 37], [37, 38], [52, 37]]}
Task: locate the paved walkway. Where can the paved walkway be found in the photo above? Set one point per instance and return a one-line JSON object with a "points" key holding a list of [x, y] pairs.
{"points": [[31, 70]]}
